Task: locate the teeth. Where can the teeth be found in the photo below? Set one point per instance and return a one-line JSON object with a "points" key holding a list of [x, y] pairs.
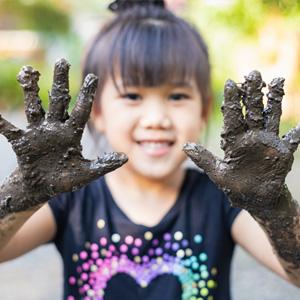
{"points": [[155, 145]]}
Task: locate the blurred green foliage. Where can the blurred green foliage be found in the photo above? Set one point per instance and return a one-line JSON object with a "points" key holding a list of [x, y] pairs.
{"points": [[9, 91], [41, 16], [246, 17], [52, 24]]}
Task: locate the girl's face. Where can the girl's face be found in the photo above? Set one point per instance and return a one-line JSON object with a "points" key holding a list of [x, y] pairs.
{"points": [[150, 125]]}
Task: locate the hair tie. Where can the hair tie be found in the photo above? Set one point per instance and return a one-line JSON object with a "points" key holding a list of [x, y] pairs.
{"points": [[118, 6]]}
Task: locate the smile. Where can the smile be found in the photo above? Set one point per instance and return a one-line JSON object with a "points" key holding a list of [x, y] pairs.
{"points": [[156, 148]]}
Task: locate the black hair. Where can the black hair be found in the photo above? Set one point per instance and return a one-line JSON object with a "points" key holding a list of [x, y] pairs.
{"points": [[147, 45], [118, 6]]}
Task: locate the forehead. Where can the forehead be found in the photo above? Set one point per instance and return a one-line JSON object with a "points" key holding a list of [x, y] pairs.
{"points": [[120, 85]]}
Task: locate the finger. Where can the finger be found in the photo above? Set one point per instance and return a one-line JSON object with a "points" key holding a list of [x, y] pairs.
{"points": [[292, 138], [28, 79], [59, 97], [234, 122], [203, 158], [82, 109], [10, 131], [107, 163], [273, 110], [253, 100]]}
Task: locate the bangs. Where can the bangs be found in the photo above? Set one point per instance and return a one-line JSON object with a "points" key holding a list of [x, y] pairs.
{"points": [[153, 52]]}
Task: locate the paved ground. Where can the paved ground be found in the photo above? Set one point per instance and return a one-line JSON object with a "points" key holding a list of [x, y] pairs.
{"points": [[38, 275]]}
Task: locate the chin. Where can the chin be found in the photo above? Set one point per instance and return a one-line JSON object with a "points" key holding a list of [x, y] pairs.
{"points": [[159, 172]]}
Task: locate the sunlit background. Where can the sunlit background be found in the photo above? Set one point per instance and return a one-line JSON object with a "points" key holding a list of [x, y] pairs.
{"points": [[242, 35]]}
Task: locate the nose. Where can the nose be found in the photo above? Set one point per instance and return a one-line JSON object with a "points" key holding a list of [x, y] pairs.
{"points": [[155, 116]]}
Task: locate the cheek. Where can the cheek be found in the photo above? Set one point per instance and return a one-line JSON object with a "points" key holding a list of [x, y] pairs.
{"points": [[194, 132], [118, 127], [190, 126]]}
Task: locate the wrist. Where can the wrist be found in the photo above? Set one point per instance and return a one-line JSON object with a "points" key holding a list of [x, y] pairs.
{"points": [[260, 203], [284, 206], [16, 195], [281, 224]]}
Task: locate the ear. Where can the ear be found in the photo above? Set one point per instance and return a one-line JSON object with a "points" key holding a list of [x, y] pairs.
{"points": [[97, 118]]}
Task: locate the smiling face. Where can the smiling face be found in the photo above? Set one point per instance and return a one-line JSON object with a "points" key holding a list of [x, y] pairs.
{"points": [[150, 125], [150, 51]]}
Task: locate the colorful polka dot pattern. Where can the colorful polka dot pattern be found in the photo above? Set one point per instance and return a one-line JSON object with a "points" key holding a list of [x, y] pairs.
{"points": [[98, 263]]}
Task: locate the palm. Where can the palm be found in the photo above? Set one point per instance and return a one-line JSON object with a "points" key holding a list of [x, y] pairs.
{"points": [[256, 161], [49, 151]]}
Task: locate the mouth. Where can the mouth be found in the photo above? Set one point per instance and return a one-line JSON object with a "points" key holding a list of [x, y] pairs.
{"points": [[156, 148]]}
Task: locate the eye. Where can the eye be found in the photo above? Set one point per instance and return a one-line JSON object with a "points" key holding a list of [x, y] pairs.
{"points": [[179, 96], [131, 96]]}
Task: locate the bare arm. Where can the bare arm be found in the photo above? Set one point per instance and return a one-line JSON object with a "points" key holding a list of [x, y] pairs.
{"points": [[38, 229], [282, 226], [49, 150], [11, 223], [256, 163], [244, 231]]}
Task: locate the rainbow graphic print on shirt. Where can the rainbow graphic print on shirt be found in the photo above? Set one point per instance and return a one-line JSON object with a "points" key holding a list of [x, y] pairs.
{"points": [[99, 262]]}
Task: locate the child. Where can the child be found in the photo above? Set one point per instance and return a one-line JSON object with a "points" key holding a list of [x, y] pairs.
{"points": [[151, 229]]}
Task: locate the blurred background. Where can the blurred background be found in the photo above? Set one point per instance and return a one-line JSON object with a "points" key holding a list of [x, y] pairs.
{"points": [[242, 36]]}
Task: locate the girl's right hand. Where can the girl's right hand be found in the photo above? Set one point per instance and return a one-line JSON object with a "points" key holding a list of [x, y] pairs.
{"points": [[49, 151], [256, 161]]}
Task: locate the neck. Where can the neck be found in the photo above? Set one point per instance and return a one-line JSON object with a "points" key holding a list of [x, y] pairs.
{"points": [[137, 184], [144, 200]]}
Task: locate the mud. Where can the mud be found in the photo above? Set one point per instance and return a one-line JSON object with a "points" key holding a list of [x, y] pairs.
{"points": [[28, 79], [252, 98], [273, 110], [256, 162], [49, 150]]}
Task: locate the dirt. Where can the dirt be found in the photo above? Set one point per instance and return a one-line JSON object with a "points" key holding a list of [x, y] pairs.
{"points": [[49, 150], [256, 162]]}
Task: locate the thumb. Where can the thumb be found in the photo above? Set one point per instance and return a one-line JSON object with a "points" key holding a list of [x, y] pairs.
{"points": [[203, 158], [92, 169], [107, 163]]}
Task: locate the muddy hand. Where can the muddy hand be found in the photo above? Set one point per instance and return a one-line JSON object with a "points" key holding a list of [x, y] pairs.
{"points": [[256, 160], [49, 150]]}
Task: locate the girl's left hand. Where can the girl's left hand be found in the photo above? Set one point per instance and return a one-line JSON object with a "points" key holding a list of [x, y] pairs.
{"points": [[256, 159]]}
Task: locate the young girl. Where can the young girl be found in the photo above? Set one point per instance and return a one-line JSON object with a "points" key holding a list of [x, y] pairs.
{"points": [[151, 229]]}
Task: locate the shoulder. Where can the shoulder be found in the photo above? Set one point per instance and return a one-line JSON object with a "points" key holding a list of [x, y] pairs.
{"points": [[200, 183], [206, 196], [202, 192], [77, 209], [91, 188], [65, 202]]}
